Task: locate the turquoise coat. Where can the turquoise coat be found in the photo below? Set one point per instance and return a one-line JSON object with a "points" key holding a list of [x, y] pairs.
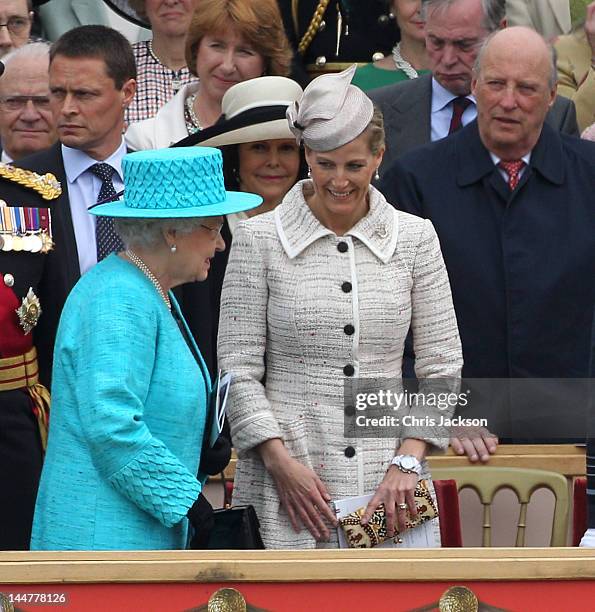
{"points": [[128, 414]]}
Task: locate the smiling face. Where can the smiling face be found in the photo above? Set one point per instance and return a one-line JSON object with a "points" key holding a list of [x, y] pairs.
{"points": [[454, 34], [224, 59], [170, 17], [341, 180], [87, 107], [407, 14], [194, 250], [513, 92], [26, 121], [269, 168]]}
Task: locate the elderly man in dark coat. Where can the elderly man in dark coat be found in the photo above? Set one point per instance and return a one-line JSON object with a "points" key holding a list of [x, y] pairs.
{"points": [[512, 202]]}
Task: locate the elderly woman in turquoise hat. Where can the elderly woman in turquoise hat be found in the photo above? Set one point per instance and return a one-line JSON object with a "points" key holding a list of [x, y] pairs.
{"points": [[130, 385]]}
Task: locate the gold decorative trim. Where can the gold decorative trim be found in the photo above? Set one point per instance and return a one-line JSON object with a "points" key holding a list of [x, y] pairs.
{"points": [[458, 599], [46, 185], [227, 600], [294, 16], [313, 26]]}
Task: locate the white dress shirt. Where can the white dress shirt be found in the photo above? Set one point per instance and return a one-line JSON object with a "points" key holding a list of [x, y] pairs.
{"points": [[83, 190], [441, 113]]}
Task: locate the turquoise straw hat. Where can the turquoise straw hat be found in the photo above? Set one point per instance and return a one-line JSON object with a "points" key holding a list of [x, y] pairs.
{"points": [[178, 182]]}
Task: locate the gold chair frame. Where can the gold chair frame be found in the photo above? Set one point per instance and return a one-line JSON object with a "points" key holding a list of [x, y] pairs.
{"points": [[486, 481]]}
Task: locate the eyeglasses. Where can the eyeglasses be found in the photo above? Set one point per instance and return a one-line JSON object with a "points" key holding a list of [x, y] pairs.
{"points": [[17, 103], [16, 25], [214, 231]]}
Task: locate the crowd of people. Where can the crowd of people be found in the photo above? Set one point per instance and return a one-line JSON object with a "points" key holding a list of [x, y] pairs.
{"points": [[227, 191]]}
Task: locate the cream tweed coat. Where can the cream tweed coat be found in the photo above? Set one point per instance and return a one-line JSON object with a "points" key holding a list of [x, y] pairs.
{"points": [[284, 307]]}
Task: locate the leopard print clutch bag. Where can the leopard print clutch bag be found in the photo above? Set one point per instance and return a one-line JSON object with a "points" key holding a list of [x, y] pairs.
{"points": [[374, 533]]}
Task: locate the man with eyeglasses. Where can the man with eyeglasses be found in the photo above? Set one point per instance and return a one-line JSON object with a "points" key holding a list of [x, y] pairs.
{"points": [[26, 121], [433, 106], [16, 17]]}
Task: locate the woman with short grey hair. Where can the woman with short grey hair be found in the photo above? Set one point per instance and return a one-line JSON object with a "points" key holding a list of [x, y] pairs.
{"points": [[130, 387]]}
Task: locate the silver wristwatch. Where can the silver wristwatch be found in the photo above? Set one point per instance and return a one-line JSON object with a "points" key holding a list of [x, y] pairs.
{"points": [[409, 464]]}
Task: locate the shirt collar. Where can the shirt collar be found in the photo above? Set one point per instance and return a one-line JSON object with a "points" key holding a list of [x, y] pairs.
{"points": [[298, 228], [474, 161], [76, 161], [441, 97], [497, 160]]}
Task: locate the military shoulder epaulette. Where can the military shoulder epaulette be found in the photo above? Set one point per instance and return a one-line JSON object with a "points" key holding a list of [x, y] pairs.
{"points": [[46, 185]]}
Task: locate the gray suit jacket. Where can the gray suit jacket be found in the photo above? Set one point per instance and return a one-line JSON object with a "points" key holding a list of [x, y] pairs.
{"points": [[549, 17], [406, 107]]}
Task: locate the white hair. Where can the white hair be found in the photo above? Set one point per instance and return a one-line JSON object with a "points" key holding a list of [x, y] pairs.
{"points": [[148, 233], [35, 50]]}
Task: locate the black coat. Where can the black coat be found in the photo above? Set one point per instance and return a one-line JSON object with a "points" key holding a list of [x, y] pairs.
{"points": [[522, 270], [369, 26], [521, 264]]}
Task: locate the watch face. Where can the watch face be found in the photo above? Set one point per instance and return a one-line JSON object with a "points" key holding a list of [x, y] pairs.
{"points": [[408, 462]]}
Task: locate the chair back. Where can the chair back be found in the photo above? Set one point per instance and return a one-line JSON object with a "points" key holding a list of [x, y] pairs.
{"points": [[487, 481]]}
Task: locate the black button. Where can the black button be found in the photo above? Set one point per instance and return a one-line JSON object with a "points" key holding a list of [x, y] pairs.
{"points": [[349, 329], [349, 452], [343, 247], [346, 287], [349, 410], [348, 370]]}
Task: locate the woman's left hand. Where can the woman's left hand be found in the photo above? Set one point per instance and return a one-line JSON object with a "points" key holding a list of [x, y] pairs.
{"points": [[396, 493]]}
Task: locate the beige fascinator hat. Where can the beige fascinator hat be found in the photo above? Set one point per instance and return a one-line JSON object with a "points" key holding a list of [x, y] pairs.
{"points": [[331, 112]]}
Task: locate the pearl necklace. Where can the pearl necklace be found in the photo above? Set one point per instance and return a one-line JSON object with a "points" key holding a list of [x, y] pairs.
{"points": [[192, 121], [403, 64], [142, 266]]}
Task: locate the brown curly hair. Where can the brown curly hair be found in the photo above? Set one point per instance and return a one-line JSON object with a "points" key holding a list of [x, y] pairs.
{"points": [[257, 21]]}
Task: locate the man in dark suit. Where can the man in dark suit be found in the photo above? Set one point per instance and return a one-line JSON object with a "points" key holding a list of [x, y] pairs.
{"points": [[92, 81], [512, 202], [432, 106]]}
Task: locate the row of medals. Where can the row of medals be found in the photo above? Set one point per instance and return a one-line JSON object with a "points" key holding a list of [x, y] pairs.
{"points": [[33, 242]]}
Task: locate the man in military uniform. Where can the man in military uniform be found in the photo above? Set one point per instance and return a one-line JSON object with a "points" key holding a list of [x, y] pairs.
{"points": [[25, 239], [330, 35]]}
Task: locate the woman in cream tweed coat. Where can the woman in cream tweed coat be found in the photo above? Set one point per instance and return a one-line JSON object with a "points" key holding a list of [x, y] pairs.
{"points": [[318, 292]]}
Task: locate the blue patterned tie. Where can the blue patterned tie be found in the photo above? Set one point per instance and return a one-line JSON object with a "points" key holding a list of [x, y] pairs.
{"points": [[105, 234]]}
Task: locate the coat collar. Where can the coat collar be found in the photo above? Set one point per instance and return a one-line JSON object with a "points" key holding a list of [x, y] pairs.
{"points": [[298, 228], [474, 161]]}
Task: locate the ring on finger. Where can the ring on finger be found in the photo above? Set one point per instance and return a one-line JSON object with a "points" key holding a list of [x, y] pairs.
{"points": [[402, 506]]}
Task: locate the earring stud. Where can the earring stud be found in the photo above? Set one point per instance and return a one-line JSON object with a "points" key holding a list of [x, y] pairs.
{"points": [[173, 248]]}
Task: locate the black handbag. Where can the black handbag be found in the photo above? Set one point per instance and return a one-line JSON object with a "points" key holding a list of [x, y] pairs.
{"points": [[236, 528]]}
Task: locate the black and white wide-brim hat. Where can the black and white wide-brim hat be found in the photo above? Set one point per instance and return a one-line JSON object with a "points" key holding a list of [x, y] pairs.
{"points": [[252, 110], [123, 8]]}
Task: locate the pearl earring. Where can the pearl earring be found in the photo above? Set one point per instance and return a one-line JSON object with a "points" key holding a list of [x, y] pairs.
{"points": [[173, 248], [309, 172], [376, 175]]}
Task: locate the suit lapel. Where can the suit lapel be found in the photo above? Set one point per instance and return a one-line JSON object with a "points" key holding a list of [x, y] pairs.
{"points": [[561, 13], [410, 122], [62, 221]]}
